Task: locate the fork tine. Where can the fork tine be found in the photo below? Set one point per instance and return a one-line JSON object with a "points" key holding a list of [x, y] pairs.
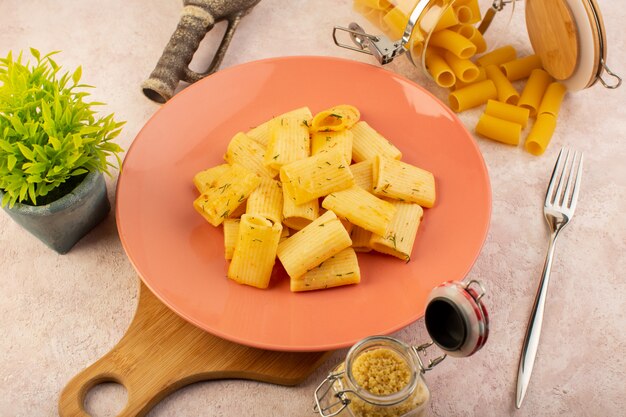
{"points": [[570, 181], [579, 174], [553, 178]]}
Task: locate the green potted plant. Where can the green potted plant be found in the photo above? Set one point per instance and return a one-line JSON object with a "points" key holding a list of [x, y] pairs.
{"points": [[53, 151]]}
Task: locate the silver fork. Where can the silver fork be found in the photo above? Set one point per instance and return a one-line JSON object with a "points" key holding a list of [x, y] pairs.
{"points": [[558, 210]]}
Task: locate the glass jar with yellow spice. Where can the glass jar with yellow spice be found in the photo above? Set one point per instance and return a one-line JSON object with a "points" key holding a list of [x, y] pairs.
{"points": [[384, 377]]}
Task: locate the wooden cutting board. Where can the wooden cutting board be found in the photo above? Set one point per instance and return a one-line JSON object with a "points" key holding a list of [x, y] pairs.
{"points": [[161, 353]]}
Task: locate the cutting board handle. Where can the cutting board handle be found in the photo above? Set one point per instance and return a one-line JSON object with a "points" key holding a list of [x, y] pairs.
{"points": [[161, 353]]}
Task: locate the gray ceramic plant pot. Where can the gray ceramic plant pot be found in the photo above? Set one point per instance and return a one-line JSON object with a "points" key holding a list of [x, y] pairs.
{"points": [[65, 221]]}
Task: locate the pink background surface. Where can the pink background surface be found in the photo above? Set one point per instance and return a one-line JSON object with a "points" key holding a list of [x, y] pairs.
{"points": [[58, 314]]}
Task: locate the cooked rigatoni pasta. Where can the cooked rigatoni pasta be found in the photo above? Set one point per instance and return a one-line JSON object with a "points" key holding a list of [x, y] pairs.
{"points": [[248, 153], [284, 234], [231, 236], [314, 244], [521, 68], [498, 56], [255, 251], [289, 141], [540, 134], [506, 92], [498, 129], [298, 216], [362, 173], [464, 69], [473, 95], [439, 69], [404, 182], [326, 141], [361, 208], [266, 201], [453, 42], [368, 143], [206, 179], [239, 211], [261, 133], [336, 118], [473, 35], [551, 101], [360, 239], [399, 237], [317, 176], [508, 112], [226, 194], [534, 90], [339, 269]]}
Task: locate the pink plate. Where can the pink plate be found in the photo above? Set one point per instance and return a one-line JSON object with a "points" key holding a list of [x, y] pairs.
{"points": [[180, 256]]}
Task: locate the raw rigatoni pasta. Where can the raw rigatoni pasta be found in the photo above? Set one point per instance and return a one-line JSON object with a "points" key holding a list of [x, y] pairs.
{"points": [[464, 69], [482, 76], [521, 68], [326, 141], [266, 201], [361, 208], [339, 269], [362, 173], [309, 247], [289, 141], [551, 101], [231, 235], [248, 153], [506, 92], [367, 143], [206, 179], [499, 129], [261, 133], [439, 69], [508, 112], [402, 181], [255, 251], [534, 90], [241, 209], [317, 176], [453, 42], [399, 237], [472, 96], [447, 19], [360, 239], [298, 216], [336, 118], [468, 11], [226, 194], [540, 134], [498, 56], [473, 35], [396, 21]]}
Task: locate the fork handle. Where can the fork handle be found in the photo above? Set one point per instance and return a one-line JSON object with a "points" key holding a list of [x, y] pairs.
{"points": [[531, 340]]}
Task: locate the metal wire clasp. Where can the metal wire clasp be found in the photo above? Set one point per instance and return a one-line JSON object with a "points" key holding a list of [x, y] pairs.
{"points": [[381, 48], [324, 388], [421, 350]]}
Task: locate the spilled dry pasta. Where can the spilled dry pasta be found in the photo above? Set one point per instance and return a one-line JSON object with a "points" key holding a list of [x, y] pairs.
{"points": [[268, 197]]}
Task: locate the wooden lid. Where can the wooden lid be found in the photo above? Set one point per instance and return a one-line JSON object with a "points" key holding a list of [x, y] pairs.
{"points": [[568, 36]]}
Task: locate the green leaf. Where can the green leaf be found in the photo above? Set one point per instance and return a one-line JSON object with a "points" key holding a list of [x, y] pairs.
{"points": [[56, 144], [6, 146], [79, 171], [11, 161], [35, 53], [77, 74], [28, 154]]}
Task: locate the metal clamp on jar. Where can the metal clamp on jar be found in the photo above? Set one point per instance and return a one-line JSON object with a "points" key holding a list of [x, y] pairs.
{"points": [[383, 376], [567, 35]]}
